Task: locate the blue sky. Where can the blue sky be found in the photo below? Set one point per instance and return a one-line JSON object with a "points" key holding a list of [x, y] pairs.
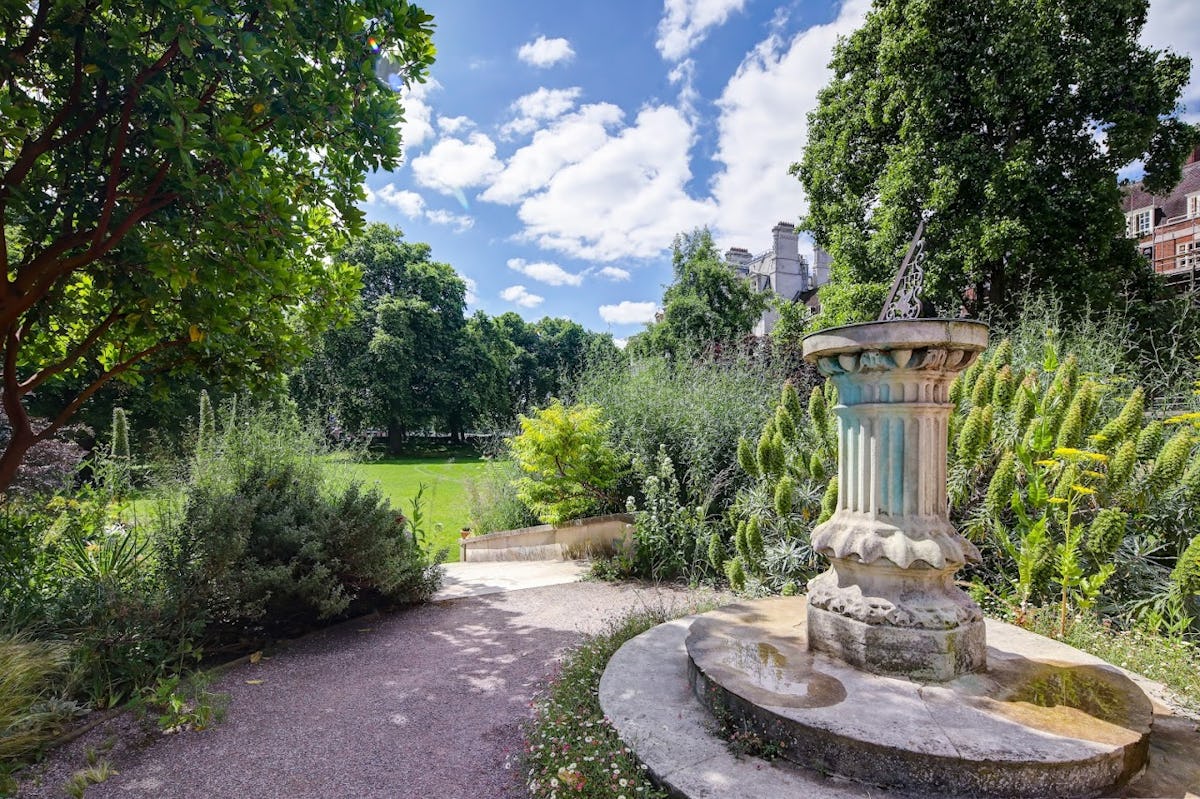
{"points": [[559, 146]]}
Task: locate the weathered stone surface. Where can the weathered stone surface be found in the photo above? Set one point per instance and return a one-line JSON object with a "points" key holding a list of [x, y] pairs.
{"points": [[645, 693], [1026, 728], [920, 654], [888, 603]]}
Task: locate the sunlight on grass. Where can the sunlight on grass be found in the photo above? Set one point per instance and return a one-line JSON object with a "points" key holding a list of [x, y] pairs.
{"points": [[445, 497]]}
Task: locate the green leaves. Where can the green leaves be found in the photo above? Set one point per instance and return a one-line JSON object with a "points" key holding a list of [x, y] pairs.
{"points": [[944, 107], [187, 166], [570, 468], [707, 303]]}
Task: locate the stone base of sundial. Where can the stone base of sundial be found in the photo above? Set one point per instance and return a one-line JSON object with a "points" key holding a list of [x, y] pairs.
{"points": [[1028, 726]]}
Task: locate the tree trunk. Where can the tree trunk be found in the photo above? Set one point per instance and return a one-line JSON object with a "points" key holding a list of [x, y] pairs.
{"points": [[20, 442], [395, 437]]}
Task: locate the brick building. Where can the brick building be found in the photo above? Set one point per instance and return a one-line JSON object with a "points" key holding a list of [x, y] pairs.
{"points": [[1167, 227]]}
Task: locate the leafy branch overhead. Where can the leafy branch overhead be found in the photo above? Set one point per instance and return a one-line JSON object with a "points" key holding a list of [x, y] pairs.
{"points": [[172, 177]]}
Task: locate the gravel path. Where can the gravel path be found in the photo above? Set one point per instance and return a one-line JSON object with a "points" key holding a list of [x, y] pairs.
{"points": [[424, 703]]}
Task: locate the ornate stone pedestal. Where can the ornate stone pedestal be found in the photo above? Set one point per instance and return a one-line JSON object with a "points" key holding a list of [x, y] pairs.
{"points": [[888, 603]]}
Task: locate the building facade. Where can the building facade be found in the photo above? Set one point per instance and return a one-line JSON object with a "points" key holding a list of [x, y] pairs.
{"points": [[1167, 227], [782, 270]]}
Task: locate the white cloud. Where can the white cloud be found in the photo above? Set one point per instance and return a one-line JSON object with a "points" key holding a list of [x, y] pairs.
{"points": [[684, 74], [521, 296], [453, 164], [615, 273], [472, 287], [551, 274], [602, 197], [455, 124], [543, 52], [763, 126], [569, 140], [460, 222], [408, 203], [685, 23], [547, 103], [412, 205], [417, 127], [535, 107], [628, 313], [1175, 25], [620, 342]]}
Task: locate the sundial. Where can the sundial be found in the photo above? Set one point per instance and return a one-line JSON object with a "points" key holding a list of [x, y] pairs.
{"points": [[904, 300]]}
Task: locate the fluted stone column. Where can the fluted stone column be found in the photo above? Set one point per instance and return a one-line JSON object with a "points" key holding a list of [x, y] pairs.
{"points": [[888, 603]]}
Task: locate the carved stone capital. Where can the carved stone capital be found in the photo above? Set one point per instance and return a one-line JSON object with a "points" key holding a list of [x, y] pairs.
{"points": [[921, 542]]}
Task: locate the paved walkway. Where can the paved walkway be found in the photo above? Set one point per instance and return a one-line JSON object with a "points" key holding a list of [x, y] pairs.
{"points": [[478, 579], [424, 703]]}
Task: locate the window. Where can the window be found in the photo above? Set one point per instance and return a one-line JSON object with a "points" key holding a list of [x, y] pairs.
{"points": [[1141, 222], [1193, 206], [1187, 255]]}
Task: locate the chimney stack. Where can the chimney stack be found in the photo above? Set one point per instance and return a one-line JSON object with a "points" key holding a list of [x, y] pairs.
{"points": [[786, 241]]}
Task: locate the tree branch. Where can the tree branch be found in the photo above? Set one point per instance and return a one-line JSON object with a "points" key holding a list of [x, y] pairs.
{"points": [[35, 32], [99, 383], [35, 380], [118, 150], [32, 150]]}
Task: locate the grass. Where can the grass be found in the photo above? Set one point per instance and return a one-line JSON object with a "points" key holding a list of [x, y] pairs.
{"points": [[443, 470], [445, 498]]}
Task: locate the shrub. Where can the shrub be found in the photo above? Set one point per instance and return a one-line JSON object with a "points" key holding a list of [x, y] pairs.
{"points": [[569, 468], [31, 677], [27, 584], [696, 410], [671, 537], [1075, 495], [788, 494], [49, 465], [269, 537]]}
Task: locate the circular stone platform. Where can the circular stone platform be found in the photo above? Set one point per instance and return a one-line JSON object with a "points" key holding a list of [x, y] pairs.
{"points": [[645, 692], [1025, 727]]}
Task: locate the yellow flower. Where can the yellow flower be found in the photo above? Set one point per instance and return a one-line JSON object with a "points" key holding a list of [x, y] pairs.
{"points": [[1082, 489], [1057, 501], [1093, 475], [1071, 453], [1047, 463], [1183, 417]]}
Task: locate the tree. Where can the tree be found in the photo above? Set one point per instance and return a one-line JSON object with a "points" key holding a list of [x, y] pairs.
{"points": [[396, 365], [1009, 120], [172, 176], [706, 303], [547, 355]]}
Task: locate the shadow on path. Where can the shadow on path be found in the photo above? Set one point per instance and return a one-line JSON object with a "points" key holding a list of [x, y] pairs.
{"points": [[425, 702]]}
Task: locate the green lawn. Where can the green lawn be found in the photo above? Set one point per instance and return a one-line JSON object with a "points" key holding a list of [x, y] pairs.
{"points": [[445, 497]]}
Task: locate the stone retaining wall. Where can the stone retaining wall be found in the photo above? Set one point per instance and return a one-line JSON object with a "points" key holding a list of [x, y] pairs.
{"points": [[580, 538]]}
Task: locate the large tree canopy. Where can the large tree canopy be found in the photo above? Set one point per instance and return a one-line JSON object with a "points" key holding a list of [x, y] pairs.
{"points": [[1009, 120], [172, 177], [409, 361]]}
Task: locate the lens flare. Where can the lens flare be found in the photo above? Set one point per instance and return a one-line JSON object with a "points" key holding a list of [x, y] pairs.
{"points": [[373, 43]]}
